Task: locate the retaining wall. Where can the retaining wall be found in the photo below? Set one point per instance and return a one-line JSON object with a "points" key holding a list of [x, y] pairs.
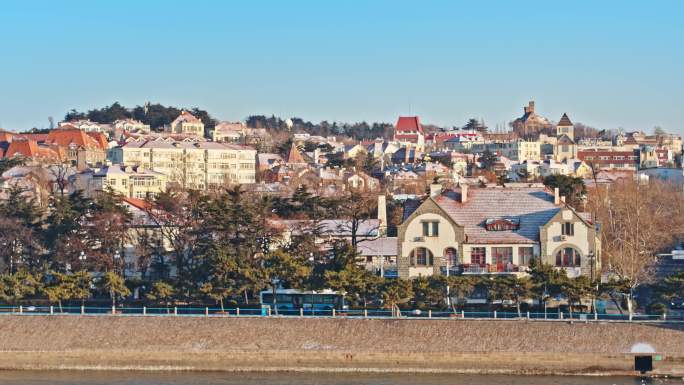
{"points": [[309, 344]]}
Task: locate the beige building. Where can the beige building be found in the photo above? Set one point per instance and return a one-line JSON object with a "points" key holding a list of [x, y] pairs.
{"points": [[230, 132], [193, 165], [128, 181], [187, 123], [565, 148], [496, 230], [131, 125]]}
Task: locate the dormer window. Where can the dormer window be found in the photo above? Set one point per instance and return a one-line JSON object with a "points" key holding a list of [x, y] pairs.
{"points": [[501, 224]]}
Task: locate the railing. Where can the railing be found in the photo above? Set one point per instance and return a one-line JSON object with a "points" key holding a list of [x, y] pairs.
{"points": [[173, 311]]}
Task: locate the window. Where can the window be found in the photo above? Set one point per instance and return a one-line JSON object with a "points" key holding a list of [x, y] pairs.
{"points": [[525, 255], [451, 256], [478, 255], [421, 256], [568, 257], [431, 229], [502, 224], [568, 228], [502, 255]]}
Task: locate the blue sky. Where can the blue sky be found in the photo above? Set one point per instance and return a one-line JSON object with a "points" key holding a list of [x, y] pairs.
{"points": [[606, 63]]}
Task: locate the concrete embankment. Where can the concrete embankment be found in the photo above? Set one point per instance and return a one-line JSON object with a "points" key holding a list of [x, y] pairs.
{"points": [[293, 344]]}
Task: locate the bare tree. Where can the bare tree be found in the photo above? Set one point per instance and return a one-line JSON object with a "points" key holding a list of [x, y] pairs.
{"points": [[638, 221]]}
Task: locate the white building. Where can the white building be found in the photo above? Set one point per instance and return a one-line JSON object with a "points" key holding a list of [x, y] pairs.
{"points": [[194, 165]]}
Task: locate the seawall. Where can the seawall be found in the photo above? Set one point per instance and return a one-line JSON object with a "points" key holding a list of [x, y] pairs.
{"points": [[311, 344]]}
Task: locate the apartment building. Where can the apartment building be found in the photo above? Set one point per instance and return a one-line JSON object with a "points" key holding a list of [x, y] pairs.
{"points": [[193, 165], [517, 150]]}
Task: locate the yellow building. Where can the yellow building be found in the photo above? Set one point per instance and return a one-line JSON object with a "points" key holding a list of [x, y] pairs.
{"points": [[192, 165], [565, 148], [130, 182], [187, 123]]}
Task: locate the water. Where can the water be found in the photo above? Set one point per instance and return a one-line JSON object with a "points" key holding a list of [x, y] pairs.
{"points": [[216, 378]]}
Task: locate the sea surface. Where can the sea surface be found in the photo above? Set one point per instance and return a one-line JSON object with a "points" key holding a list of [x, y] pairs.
{"points": [[216, 378]]}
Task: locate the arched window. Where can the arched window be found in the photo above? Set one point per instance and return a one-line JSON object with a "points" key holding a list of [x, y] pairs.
{"points": [[421, 256], [451, 256], [568, 257]]}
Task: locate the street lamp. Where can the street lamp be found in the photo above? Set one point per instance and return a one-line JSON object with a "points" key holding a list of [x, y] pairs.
{"points": [[448, 295], [592, 259], [274, 283]]}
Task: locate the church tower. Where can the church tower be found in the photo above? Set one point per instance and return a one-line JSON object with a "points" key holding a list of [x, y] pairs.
{"points": [[565, 127], [565, 148]]}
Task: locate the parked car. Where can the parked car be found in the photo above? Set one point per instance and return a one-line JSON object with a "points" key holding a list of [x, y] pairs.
{"points": [[677, 303]]}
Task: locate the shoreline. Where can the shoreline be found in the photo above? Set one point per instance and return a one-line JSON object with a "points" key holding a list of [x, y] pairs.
{"points": [[333, 346]]}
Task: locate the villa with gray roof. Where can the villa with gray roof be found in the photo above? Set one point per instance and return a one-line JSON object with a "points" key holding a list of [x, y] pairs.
{"points": [[496, 230]]}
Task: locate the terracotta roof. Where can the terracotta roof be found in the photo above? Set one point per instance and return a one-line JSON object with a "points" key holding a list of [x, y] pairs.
{"points": [[531, 206], [409, 123], [67, 137], [137, 203], [30, 148], [185, 116], [565, 121]]}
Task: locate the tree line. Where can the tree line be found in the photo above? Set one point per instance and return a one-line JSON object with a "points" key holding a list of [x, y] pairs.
{"points": [[156, 115], [196, 247]]}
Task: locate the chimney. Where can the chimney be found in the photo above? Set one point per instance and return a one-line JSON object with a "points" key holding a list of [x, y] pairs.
{"points": [[382, 215], [464, 193], [435, 190], [556, 196]]}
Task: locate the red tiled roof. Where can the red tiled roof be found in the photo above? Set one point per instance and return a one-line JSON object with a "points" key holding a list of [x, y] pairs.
{"points": [[137, 203], [30, 148], [409, 123], [66, 137]]}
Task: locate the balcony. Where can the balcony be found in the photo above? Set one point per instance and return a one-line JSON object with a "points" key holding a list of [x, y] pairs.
{"points": [[491, 268]]}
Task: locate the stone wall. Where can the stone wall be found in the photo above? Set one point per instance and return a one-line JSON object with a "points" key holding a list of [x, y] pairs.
{"points": [[228, 343]]}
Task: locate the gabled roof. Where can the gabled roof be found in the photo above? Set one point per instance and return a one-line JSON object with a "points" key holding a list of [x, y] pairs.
{"points": [[295, 156], [531, 207], [564, 139], [565, 121], [185, 117], [409, 123], [66, 137]]}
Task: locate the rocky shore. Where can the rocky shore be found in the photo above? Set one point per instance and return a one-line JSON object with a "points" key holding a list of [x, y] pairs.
{"points": [[334, 345]]}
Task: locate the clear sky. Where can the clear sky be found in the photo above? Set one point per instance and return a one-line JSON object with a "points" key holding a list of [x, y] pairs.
{"points": [[608, 64]]}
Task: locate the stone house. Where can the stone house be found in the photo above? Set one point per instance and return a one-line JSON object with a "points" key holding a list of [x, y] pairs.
{"points": [[496, 230]]}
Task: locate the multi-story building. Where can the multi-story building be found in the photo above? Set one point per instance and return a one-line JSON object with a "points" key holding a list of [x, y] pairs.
{"points": [[230, 132], [194, 165], [187, 123], [82, 148], [517, 150], [128, 181], [496, 230], [409, 131], [626, 158]]}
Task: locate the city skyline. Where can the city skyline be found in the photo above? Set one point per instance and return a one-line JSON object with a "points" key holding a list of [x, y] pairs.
{"points": [[444, 61]]}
